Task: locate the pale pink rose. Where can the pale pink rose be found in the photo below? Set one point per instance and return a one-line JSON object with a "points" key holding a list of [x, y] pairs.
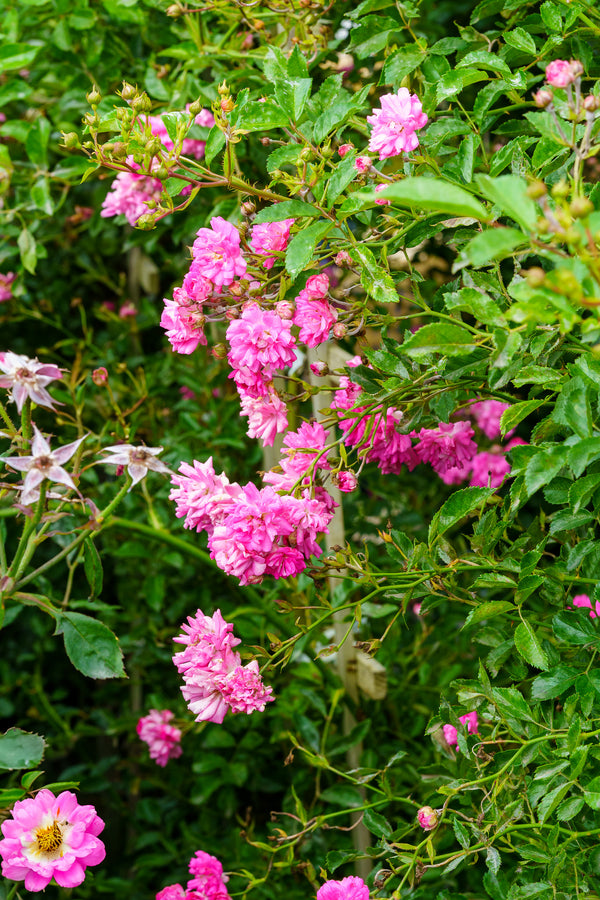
{"points": [[26, 377], [216, 251], [559, 73], [317, 286], [394, 126], [50, 837], [363, 164]]}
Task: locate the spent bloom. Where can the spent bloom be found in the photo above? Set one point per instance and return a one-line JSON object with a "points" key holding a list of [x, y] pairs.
{"points": [[26, 377], [469, 719], [560, 73], [269, 238], [350, 888], [427, 818], [139, 460], [6, 285], [50, 837], [216, 252], [43, 463], [163, 739], [394, 126], [214, 678]]}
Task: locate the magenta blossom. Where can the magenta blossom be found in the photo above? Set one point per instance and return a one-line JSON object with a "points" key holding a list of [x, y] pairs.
{"points": [[363, 164], [214, 678], [447, 446], [487, 415], [163, 739], [216, 251], [50, 837], [583, 602], [269, 238], [26, 377], [346, 481], [350, 888], [130, 194], [208, 882], [43, 463], [395, 124], [469, 719]]}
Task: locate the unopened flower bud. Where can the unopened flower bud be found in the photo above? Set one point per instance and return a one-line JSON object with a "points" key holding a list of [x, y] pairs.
{"points": [[560, 190], [576, 68], [543, 98], [119, 150], [236, 289], [285, 309], [344, 148], [196, 107], [265, 141], [573, 236], [219, 351], [248, 41], [581, 207], [319, 368], [591, 103], [142, 103], [346, 481], [174, 11], [227, 104], [71, 140], [259, 24], [145, 222], [339, 330], [306, 154], [536, 190], [100, 376], [128, 91], [223, 90], [362, 164], [542, 225], [154, 145], [94, 97], [427, 818], [535, 276], [248, 208]]}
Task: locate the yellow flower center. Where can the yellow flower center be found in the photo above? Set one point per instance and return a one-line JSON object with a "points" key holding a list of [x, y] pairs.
{"points": [[49, 839]]}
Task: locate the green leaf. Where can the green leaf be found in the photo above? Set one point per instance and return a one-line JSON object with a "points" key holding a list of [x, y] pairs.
{"points": [[488, 610], [90, 645], [337, 110], [292, 94], [256, 116], [20, 749], [373, 277], [550, 801], [551, 17], [297, 67], [461, 833], [287, 209], [573, 407], [36, 144], [569, 808], [520, 40], [479, 305], [553, 683], [493, 860], [528, 645], [343, 795], [337, 858], [214, 144], [575, 627], [508, 193], [511, 703], [459, 505], [453, 82], [550, 378], [341, 177], [93, 567], [451, 340], [486, 60], [302, 247], [435, 194], [582, 491], [28, 250], [516, 413], [583, 453], [29, 777], [542, 467], [401, 63], [495, 243], [377, 824], [16, 56]]}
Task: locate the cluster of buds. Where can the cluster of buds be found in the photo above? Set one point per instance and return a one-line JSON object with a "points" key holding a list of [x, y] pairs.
{"points": [[560, 216]]}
